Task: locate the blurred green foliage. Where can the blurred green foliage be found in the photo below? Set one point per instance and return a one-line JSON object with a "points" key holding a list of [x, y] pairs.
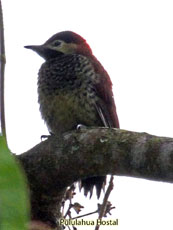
{"points": [[14, 204]]}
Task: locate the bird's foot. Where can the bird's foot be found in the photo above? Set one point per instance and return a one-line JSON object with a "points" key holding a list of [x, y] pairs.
{"points": [[81, 127], [46, 136]]}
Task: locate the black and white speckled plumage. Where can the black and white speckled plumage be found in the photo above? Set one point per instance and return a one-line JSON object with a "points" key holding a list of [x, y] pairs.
{"points": [[65, 86]]}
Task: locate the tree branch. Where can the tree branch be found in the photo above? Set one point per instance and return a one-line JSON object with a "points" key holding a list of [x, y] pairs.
{"points": [[2, 69], [56, 163]]}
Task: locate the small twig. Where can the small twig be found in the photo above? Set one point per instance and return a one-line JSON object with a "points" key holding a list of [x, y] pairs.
{"points": [[77, 217], [2, 69], [70, 192], [70, 206], [104, 204], [63, 207]]}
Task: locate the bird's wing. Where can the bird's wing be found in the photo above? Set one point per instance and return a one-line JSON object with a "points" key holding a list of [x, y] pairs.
{"points": [[105, 106], [106, 109]]}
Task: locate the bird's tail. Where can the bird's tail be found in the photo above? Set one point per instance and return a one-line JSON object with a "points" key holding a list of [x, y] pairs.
{"points": [[89, 183]]}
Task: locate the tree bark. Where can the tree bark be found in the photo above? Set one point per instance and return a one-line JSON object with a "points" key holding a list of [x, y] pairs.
{"points": [[57, 162]]}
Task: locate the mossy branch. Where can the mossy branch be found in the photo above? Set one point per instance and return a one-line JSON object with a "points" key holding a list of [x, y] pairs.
{"points": [[56, 163]]}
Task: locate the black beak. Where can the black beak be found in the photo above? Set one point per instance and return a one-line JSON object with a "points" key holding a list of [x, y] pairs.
{"points": [[39, 49], [36, 48], [28, 47], [44, 51]]}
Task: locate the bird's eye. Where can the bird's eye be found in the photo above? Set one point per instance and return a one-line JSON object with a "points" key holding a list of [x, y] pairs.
{"points": [[57, 43]]}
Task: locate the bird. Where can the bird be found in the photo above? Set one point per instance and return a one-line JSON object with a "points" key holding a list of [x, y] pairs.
{"points": [[74, 89]]}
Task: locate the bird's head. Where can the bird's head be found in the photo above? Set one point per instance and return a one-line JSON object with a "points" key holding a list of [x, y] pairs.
{"points": [[65, 42]]}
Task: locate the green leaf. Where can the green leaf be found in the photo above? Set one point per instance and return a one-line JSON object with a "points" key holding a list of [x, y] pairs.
{"points": [[14, 204]]}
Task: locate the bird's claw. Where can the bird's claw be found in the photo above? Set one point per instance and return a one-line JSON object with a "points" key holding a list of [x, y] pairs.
{"points": [[44, 137], [81, 127]]}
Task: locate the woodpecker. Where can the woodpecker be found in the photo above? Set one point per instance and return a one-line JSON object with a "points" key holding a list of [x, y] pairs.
{"points": [[74, 88]]}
